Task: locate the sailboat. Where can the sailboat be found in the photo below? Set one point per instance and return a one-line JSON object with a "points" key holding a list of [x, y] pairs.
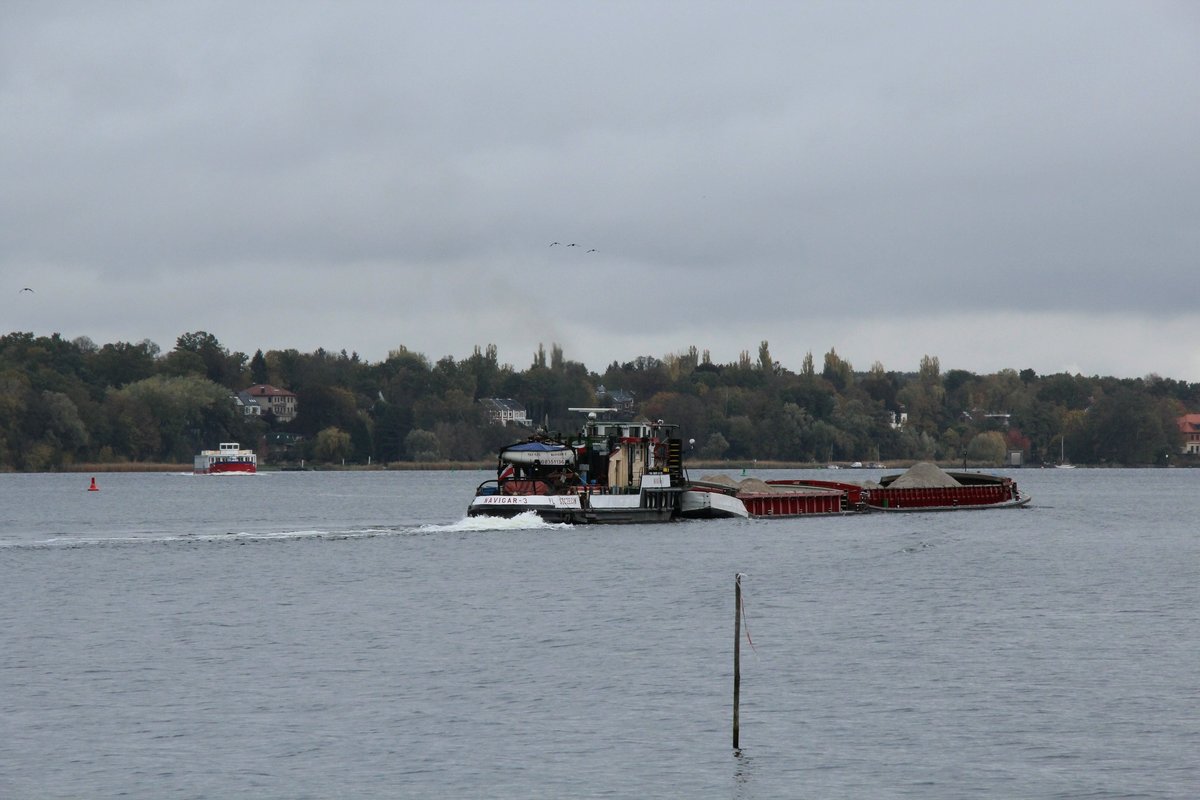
{"points": [[1062, 455]]}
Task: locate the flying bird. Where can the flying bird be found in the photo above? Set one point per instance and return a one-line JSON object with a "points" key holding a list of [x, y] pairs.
{"points": [[27, 289], [553, 243], [572, 244], [593, 250]]}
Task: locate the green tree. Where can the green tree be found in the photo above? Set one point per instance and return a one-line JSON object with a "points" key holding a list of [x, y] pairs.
{"points": [[484, 368], [715, 447], [182, 363], [362, 437], [837, 371], [686, 411], [924, 397], [63, 427], [422, 445], [1130, 427], [462, 441], [1072, 392], [793, 437], [220, 366], [988, 447], [392, 424], [766, 364], [742, 434], [258, 368], [16, 397], [856, 420], [332, 444], [880, 386], [187, 412], [134, 431], [123, 363], [323, 406]]}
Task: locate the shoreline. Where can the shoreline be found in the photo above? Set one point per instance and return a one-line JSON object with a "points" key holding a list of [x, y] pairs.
{"points": [[487, 466]]}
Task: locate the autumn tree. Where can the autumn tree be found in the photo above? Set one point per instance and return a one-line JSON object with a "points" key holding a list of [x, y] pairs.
{"points": [[988, 447], [332, 444]]}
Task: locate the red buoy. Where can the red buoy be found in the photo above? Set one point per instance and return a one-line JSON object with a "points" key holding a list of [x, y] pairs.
{"points": [[93, 487]]}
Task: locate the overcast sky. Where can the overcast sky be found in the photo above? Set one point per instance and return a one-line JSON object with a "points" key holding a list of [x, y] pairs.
{"points": [[1000, 185]]}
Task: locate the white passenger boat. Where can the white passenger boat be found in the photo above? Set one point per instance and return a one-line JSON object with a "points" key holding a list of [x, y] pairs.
{"points": [[230, 458]]}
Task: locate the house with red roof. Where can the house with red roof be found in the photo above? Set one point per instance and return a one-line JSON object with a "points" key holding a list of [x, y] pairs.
{"points": [[279, 402], [1189, 425]]}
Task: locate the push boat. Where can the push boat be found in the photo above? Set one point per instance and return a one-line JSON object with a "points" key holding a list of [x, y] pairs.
{"points": [[229, 459], [612, 472]]}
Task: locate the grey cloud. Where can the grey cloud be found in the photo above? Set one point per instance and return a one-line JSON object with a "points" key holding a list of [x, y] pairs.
{"points": [[825, 159]]}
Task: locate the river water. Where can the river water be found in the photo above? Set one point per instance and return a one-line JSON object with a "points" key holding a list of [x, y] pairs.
{"points": [[351, 635]]}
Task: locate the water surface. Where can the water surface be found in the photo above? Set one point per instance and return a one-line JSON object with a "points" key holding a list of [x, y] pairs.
{"points": [[292, 635]]}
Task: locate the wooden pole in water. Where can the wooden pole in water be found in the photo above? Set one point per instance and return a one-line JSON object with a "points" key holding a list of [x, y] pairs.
{"points": [[737, 653]]}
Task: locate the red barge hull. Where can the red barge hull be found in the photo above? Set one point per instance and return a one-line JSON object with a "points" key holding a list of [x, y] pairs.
{"points": [[951, 491], [945, 498], [975, 491], [796, 502]]}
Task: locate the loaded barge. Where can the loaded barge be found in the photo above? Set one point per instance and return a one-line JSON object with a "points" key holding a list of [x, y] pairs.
{"points": [[924, 487], [963, 491], [761, 498]]}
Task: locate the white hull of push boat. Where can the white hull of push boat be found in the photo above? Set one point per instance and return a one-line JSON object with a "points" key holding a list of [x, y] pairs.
{"points": [[503, 505], [600, 508]]}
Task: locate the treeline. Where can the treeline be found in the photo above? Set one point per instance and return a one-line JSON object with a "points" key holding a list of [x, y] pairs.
{"points": [[73, 401]]}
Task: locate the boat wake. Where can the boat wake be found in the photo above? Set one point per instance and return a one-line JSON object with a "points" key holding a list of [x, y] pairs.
{"points": [[522, 522], [527, 521], [227, 537]]}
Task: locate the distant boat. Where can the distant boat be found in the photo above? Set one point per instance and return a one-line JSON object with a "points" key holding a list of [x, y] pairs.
{"points": [[1062, 456], [229, 459]]}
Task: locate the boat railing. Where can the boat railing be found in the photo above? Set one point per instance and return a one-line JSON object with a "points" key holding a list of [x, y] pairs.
{"points": [[525, 486], [537, 486], [513, 486]]}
